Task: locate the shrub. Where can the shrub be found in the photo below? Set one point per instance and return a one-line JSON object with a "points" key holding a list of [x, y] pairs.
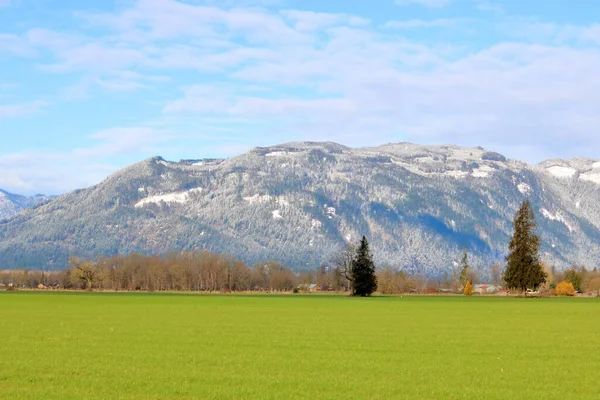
{"points": [[468, 289], [593, 286], [296, 290], [430, 290], [565, 289]]}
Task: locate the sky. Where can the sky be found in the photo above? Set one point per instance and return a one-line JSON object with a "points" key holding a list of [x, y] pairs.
{"points": [[88, 87]]}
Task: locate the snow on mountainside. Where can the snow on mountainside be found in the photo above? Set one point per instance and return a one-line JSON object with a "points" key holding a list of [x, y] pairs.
{"points": [[301, 202], [11, 204]]}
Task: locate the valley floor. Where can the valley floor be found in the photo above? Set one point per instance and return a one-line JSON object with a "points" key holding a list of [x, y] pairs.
{"points": [[170, 346]]}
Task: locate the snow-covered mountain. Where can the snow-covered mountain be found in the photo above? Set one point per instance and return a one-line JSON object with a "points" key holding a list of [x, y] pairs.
{"points": [[299, 203], [11, 204]]}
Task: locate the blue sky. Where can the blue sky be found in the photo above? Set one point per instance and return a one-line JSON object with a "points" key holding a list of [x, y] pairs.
{"points": [[89, 87]]}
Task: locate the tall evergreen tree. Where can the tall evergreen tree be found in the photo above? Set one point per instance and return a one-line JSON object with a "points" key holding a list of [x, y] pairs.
{"points": [[364, 281], [464, 272], [524, 270]]}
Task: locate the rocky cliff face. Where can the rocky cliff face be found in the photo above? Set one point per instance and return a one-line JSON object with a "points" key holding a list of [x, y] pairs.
{"points": [[300, 203]]}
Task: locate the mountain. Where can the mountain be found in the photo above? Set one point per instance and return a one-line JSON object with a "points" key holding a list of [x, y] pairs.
{"points": [[11, 204], [300, 203]]}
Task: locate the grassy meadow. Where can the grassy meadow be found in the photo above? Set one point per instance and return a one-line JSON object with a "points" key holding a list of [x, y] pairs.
{"points": [[168, 346]]}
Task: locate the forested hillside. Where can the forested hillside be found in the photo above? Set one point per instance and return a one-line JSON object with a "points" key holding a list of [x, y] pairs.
{"points": [[300, 203]]}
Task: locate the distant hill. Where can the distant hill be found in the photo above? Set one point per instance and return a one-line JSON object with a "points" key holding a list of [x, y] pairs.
{"points": [[11, 204], [300, 203]]}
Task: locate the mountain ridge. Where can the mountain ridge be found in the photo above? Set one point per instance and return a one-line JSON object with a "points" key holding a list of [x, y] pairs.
{"points": [[11, 204], [301, 202]]}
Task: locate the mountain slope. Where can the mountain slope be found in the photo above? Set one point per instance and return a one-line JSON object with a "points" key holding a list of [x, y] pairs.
{"points": [[301, 202], [11, 204]]}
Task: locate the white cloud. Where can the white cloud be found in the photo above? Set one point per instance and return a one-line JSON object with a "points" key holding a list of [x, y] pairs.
{"points": [[55, 172], [312, 21], [117, 141], [426, 3], [434, 23], [20, 110], [548, 32], [11, 44], [31, 172]]}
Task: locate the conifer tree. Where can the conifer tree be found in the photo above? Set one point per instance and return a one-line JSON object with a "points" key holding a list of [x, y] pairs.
{"points": [[524, 270], [464, 270], [364, 281]]}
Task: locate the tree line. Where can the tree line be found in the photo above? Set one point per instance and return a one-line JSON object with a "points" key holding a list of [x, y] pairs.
{"points": [[185, 271]]}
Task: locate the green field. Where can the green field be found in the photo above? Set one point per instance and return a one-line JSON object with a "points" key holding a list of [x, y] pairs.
{"points": [[161, 346]]}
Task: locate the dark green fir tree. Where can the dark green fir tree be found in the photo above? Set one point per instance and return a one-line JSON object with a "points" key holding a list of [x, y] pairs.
{"points": [[364, 281], [524, 270]]}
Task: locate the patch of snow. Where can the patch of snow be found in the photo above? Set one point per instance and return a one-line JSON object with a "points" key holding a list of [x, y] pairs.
{"points": [[316, 224], [277, 214], [578, 204], [562, 172], [163, 162], [591, 177], [482, 172], [277, 154], [524, 188], [348, 237], [596, 165], [556, 217], [456, 174], [330, 210], [258, 199], [198, 164], [180, 197], [142, 189]]}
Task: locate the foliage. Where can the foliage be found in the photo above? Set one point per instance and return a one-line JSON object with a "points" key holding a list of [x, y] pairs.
{"points": [[524, 270], [565, 289], [364, 280], [343, 262], [594, 285], [87, 273], [392, 282], [573, 276], [468, 289]]}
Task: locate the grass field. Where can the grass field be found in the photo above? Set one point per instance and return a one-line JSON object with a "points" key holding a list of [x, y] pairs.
{"points": [[160, 346]]}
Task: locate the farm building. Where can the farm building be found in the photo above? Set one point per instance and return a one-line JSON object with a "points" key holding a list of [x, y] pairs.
{"points": [[486, 288], [312, 287]]}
